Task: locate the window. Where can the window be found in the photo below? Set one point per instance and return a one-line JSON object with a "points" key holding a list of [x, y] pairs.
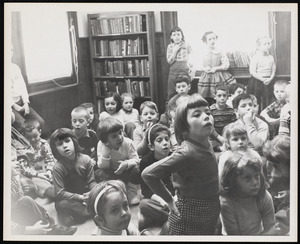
{"points": [[47, 44], [237, 28]]}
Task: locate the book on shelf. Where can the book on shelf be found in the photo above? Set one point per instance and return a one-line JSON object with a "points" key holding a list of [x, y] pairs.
{"points": [[100, 105], [135, 89], [147, 89]]}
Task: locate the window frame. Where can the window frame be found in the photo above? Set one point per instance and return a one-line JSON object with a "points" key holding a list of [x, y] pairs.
{"points": [[41, 87]]}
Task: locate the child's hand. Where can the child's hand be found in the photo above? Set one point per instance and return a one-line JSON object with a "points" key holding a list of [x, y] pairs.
{"points": [[93, 161], [206, 69], [122, 167], [38, 228], [249, 117], [18, 108], [266, 81], [173, 208], [44, 176], [26, 108], [212, 70]]}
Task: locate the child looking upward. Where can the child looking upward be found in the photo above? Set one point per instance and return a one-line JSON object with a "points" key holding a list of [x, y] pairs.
{"points": [[178, 52], [214, 66], [149, 116], [109, 207], [235, 89], [117, 157], [222, 114], [257, 130], [93, 120], [154, 211], [194, 169], [262, 70], [73, 177], [272, 112], [86, 138]]}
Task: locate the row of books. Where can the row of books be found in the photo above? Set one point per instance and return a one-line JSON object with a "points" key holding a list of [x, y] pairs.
{"points": [[118, 25], [136, 46], [134, 67], [136, 88], [239, 59]]}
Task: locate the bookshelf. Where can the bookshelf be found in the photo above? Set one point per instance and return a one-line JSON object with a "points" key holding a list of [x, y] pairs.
{"points": [[122, 55]]}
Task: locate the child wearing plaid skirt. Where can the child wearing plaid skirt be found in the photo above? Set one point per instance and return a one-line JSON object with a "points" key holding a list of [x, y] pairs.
{"points": [[195, 208]]}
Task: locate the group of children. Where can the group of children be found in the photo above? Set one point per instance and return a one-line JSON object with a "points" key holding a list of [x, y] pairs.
{"points": [[211, 164]]}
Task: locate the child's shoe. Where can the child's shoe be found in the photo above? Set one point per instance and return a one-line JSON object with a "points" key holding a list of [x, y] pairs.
{"points": [[133, 193]]}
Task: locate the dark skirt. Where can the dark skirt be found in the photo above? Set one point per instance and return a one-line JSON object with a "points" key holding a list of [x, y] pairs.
{"points": [[176, 67], [197, 217], [260, 91]]}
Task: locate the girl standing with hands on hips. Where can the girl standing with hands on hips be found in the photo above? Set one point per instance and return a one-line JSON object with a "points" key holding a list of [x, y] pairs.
{"points": [[178, 52], [195, 208], [262, 70], [214, 66]]}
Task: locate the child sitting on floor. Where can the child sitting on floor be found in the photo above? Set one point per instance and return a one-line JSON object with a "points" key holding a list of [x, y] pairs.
{"points": [[73, 177], [117, 157], [234, 89], [28, 217], [93, 120], [246, 206], [86, 138], [149, 116], [109, 207], [154, 211]]}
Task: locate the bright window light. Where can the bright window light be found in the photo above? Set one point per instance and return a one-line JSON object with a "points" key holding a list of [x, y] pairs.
{"points": [[46, 45]]}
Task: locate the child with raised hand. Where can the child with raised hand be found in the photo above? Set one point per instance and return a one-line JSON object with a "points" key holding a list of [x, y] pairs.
{"points": [[117, 157], [246, 206], [149, 115], [222, 114], [272, 112], [93, 120], [130, 114], [73, 177], [194, 169], [277, 152], [38, 168], [257, 129], [178, 52], [236, 140], [154, 211], [262, 70], [27, 216], [234, 89], [214, 66], [87, 139], [108, 205], [113, 105]]}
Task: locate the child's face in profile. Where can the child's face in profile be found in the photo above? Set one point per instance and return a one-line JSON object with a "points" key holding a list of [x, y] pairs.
{"points": [[161, 145], [116, 211], [221, 98], [245, 105], [280, 93], [255, 106], [33, 137], [238, 142], [91, 113], [238, 91], [115, 140], [127, 103], [66, 148], [200, 123], [149, 115], [265, 45], [176, 36], [15, 165], [182, 88], [248, 182], [110, 105], [79, 122]]}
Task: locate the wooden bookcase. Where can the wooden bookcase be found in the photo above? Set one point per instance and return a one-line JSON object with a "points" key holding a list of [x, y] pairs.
{"points": [[123, 55]]}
